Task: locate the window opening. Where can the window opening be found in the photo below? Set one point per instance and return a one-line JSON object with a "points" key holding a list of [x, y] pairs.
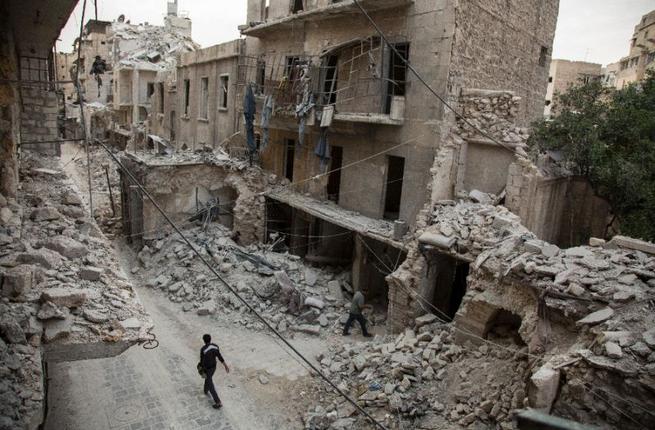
{"points": [[394, 187], [397, 74], [289, 159]]}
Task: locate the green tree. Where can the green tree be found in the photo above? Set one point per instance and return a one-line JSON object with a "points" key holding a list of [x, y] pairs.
{"points": [[608, 136]]}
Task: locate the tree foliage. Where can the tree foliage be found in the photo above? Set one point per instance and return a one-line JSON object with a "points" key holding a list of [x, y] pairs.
{"points": [[608, 136]]}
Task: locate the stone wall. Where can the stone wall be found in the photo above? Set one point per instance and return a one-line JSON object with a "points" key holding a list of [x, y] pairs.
{"points": [[561, 210], [39, 119], [505, 45], [9, 110]]}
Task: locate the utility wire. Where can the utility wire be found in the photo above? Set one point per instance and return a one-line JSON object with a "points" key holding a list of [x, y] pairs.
{"points": [[233, 291], [458, 115]]}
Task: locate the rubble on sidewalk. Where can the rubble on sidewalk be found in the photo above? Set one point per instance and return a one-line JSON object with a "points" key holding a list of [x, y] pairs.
{"points": [[52, 297]]}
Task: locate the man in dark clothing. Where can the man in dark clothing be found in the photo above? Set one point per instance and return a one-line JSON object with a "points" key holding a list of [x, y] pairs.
{"points": [[209, 353], [356, 314]]}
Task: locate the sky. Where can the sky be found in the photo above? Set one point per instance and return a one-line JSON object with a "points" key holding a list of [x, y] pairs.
{"points": [[597, 31]]}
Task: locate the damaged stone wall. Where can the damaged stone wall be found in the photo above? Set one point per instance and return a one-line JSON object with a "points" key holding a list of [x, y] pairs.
{"points": [[583, 313], [9, 110], [173, 184], [39, 113], [505, 46], [563, 210]]}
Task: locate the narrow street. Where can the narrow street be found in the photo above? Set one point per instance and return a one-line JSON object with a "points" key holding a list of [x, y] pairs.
{"points": [[143, 389]]}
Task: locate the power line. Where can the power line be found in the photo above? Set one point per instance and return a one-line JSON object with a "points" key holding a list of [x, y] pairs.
{"points": [[233, 291]]}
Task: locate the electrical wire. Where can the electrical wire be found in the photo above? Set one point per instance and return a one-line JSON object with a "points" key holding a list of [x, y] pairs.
{"points": [[235, 293]]}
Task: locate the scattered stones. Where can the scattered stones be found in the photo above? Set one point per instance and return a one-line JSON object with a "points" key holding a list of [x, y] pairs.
{"points": [[91, 273], [49, 310], [45, 214], [263, 379], [613, 350], [597, 317], [66, 246]]}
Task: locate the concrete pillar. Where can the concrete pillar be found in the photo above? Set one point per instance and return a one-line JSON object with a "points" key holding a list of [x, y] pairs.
{"points": [[359, 272]]}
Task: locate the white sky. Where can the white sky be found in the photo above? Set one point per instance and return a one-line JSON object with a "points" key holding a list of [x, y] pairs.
{"points": [[588, 30]]}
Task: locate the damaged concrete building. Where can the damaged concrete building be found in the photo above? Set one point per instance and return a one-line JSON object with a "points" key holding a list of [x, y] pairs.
{"points": [[64, 296]]}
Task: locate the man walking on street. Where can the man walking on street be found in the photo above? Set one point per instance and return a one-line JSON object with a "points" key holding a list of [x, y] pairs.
{"points": [[209, 353], [356, 314]]}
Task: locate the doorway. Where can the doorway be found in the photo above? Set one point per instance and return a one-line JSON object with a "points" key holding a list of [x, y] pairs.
{"points": [[445, 286], [290, 155], [394, 187]]}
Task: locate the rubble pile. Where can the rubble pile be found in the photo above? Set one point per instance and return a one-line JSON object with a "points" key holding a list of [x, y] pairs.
{"points": [[292, 295], [151, 44], [422, 379], [586, 312], [63, 295]]}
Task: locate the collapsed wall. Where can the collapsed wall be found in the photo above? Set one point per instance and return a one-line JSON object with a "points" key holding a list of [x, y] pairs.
{"points": [[185, 184], [583, 312]]}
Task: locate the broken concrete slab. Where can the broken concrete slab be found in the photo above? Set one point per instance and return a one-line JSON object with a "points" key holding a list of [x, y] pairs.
{"points": [[597, 317], [425, 320], [49, 310], [131, 324], [95, 316], [314, 302], [62, 296]]}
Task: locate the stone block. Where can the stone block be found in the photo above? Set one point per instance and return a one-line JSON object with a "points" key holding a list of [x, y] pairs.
{"points": [[425, 320], [45, 214], [131, 324], [66, 246], [10, 330], [636, 244], [613, 350], [543, 388], [18, 280], [68, 297], [42, 257], [57, 329], [207, 308], [91, 273], [314, 302], [314, 330]]}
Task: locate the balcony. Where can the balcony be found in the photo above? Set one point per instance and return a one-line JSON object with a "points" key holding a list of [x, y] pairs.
{"points": [[336, 10]]}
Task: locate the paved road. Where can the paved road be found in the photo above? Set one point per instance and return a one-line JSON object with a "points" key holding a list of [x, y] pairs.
{"points": [[160, 389]]}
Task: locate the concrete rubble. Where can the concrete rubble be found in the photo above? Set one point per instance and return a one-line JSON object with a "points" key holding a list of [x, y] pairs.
{"points": [[64, 295]]}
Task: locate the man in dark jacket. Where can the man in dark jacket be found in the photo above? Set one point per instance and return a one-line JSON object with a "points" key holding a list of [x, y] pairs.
{"points": [[209, 353]]}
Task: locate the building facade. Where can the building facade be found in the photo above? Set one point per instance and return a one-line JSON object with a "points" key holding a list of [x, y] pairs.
{"points": [[641, 58], [564, 74]]}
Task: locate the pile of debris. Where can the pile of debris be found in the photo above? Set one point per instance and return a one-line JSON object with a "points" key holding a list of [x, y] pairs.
{"points": [[586, 313], [292, 295], [155, 45], [422, 379], [63, 297]]}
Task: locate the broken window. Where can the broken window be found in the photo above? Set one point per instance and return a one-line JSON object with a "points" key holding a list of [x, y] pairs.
{"points": [[297, 6], [394, 187], [187, 88], [330, 79], [224, 91], [290, 155], [161, 97], [334, 180], [172, 135], [397, 73], [204, 97], [543, 56]]}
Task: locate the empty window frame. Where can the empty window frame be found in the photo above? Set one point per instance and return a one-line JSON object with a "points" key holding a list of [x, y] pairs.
{"points": [[150, 90], [330, 79], [289, 156], [224, 91], [161, 97], [261, 76], [187, 89], [297, 6], [204, 98], [397, 73]]}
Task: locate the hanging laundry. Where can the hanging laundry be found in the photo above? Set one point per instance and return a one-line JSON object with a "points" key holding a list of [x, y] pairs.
{"points": [[249, 110], [306, 105], [267, 112], [322, 149]]}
